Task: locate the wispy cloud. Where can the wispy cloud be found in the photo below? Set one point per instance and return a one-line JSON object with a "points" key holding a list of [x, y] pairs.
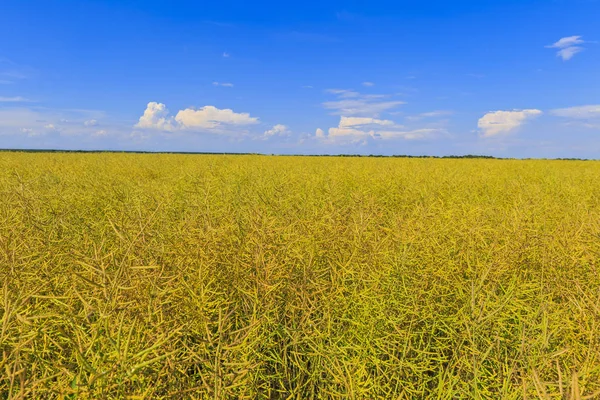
{"points": [[361, 129], [568, 47], [578, 112], [343, 93], [583, 116], [352, 103], [500, 122], [11, 71], [567, 42], [347, 122], [430, 114], [37, 121], [16, 99], [368, 84], [223, 84]]}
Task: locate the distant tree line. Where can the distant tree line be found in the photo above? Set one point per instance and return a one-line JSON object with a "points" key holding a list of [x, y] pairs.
{"points": [[284, 155]]}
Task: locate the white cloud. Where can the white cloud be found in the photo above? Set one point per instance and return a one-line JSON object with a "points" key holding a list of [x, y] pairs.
{"points": [[42, 120], [566, 42], [224, 84], [52, 128], [16, 99], [100, 133], [91, 122], [277, 130], [352, 103], [569, 52], [430, 114], [568, 47], [499, 122], [343, 93], [368, 84], [156, 116], [357, 130], [207, 118], [346, 122], [579, 112], [210, 117], [363, 106], [340, 131], [226, 54], [415, 134], [580, 116]]}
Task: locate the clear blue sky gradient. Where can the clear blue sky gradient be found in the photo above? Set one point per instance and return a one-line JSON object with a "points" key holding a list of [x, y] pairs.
{"points": [[79, 75]]}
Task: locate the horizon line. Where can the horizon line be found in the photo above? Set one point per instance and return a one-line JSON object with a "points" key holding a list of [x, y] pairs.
{"points": [[471, 156]]}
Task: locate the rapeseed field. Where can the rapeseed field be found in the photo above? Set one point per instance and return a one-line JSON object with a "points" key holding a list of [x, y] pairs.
{"points": [[157, 276]]}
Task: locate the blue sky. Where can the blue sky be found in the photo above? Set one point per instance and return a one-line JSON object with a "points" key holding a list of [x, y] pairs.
{"points": [[504, 78]]}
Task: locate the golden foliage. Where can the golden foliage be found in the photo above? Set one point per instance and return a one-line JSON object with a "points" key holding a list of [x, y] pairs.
{"points": [[197, 276]]}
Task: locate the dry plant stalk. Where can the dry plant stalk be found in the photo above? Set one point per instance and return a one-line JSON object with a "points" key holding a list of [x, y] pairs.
{"points": [[255, 277]]}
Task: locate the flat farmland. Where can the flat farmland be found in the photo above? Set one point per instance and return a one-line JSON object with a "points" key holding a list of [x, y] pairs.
{"points": [[270, 277]]}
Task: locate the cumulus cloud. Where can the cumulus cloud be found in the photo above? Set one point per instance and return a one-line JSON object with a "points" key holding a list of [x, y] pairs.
{"points": [[224, 84], [211, 117], [91, 122], [156, 116], [277, 130], [568, 47], [319, 133], [499, 122], [207, 118]]}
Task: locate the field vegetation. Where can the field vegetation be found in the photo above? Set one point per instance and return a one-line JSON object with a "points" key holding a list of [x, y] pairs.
{"points": [[149, 276]]}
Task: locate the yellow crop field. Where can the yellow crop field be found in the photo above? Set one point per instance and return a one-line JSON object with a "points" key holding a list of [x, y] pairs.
{"points": [[149, 276]]}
